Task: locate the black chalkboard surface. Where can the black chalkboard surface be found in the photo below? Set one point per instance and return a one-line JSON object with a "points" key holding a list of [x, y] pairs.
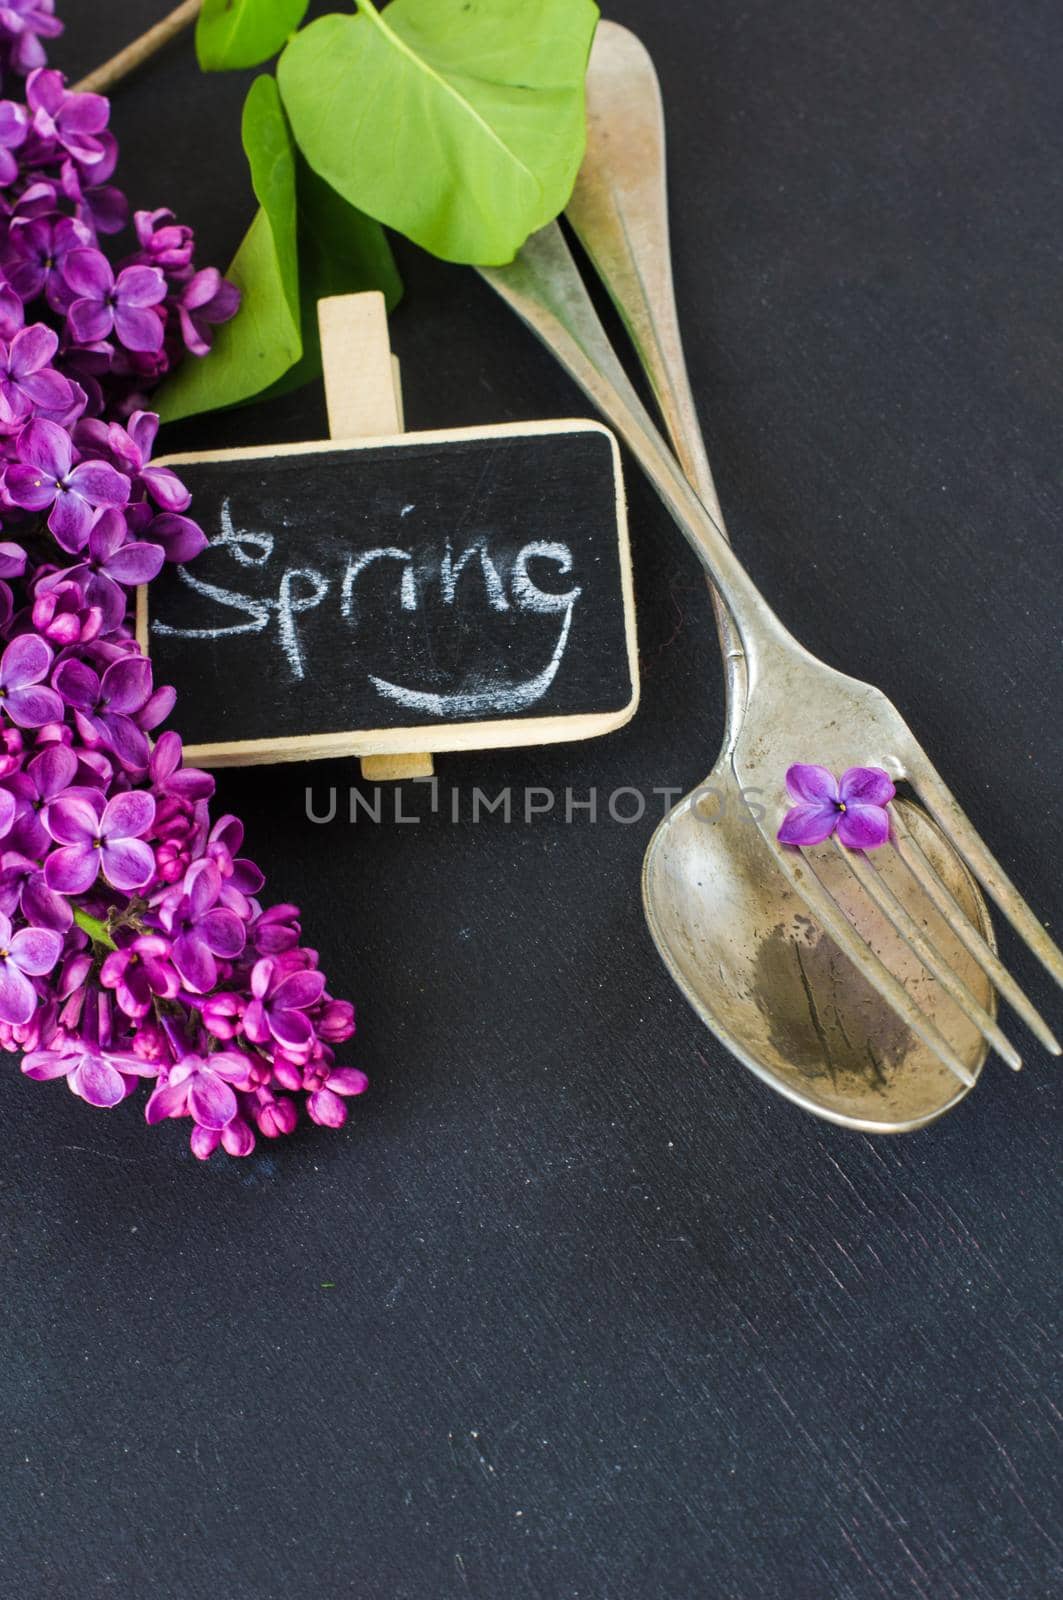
{"points": [[434, 591]]}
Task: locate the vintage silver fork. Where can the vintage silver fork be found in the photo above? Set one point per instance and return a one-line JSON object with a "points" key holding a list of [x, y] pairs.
{"points": [[796, 707]]}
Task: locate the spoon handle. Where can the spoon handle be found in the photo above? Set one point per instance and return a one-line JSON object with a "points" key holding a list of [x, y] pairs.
{"points": [[543, 286]]}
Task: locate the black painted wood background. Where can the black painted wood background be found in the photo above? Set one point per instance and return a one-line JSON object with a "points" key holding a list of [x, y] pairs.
{"points": [[510, 632], [609, 1320]]}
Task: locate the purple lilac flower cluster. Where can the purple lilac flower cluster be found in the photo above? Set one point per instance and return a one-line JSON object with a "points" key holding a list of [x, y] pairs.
{"points": [[133, 942]]}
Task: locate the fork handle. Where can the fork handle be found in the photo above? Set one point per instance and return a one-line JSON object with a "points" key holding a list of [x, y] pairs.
{"points": [[543, 286], [619, 210]]}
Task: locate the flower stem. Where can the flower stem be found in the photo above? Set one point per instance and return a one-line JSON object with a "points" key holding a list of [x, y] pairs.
{"points": [[134, 55], [95, 929]]}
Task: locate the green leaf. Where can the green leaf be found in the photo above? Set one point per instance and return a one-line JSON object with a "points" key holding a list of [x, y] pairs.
{"points": [[459, 122], [94, 927], [244, 33], [271, 157], [263, 340], [341, 251]]}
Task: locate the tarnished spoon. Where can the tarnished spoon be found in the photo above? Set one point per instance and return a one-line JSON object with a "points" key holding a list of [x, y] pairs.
{"points": [[736, 939]]}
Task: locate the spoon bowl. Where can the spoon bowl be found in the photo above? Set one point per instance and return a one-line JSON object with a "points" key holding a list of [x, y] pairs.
{"points": [[774, 987]]}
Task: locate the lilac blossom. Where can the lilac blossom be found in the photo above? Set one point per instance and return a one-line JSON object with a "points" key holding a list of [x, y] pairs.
{"points": [[129, 449], [278, 1011], [29, 953], [200, 1087], [62, 118], [14, 125], [25, 23], [12, 312], [237, 1138], [164, 241], [124, 304], [108, 709], [23, 888], [12, 560], [101, 1077], [8, 811], [203, 930], [37, 250], [27, 381], [23, 696], [64, 614], [97, 837], [180, 537], [48, 775], [99, 204], [204, 300], [853, 808], [141, 972], [113, 563], [134, 944], [327, 1104], [45, 479]]}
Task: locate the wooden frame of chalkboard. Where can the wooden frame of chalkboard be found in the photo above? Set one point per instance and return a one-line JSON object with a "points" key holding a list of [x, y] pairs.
{"points": [[492, 732]]}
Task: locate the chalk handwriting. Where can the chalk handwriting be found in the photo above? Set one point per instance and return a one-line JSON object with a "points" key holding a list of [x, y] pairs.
{"points": [[303, 589]]}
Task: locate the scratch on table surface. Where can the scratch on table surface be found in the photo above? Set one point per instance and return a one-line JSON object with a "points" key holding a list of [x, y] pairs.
{"points": [[849, 1184], [844, 1252], [485, 1466], [864, 1562], [918, 1575], [959, 1229], [105, 1155], [829, 1270], [1016, 1481]]}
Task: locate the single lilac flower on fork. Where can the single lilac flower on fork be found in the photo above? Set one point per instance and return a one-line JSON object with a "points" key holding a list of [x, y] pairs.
{"points": [[852, 807]]}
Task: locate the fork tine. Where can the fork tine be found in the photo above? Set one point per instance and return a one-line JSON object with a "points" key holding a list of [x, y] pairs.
{"points": [[877, 973], [808, 887], [942, 804], [895, 912], [926, 876]]}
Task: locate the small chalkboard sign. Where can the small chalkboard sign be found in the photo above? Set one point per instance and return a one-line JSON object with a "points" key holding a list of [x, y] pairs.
{"points": [[424, 592]]}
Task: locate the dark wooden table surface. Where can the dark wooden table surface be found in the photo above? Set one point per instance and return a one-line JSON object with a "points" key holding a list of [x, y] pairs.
{"points": [[607, 1320]]}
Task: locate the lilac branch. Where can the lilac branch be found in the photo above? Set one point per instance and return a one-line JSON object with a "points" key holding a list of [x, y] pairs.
{"points": [[104, 78]]}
